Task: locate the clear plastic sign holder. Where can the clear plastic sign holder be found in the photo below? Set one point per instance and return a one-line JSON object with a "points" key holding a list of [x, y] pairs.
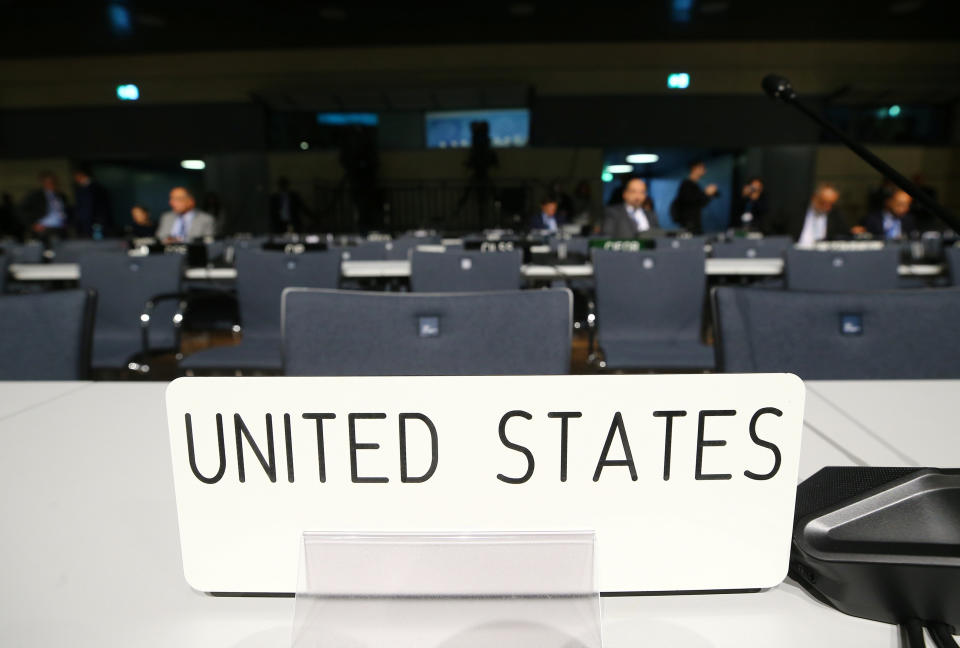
{"points": [[447, 590]]}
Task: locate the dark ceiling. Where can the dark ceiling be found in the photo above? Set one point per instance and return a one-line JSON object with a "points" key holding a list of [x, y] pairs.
{"points": [[34, 28]]}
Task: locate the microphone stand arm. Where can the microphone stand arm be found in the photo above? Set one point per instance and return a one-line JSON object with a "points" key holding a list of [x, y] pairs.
{"points": [[885, 169]]}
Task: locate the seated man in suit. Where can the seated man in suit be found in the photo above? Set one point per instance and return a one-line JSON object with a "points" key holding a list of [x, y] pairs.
{"points": [[45, 210], [894, 221], [185, 222], [629, 219], [548, 219], [821, 221]]}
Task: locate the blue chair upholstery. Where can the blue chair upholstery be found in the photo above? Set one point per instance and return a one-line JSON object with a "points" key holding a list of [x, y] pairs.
{"points": [[399, 334], [31, 252], [46, 336], [769, 247], [650, 309], [400, 248], [465, 271], [124, 287], [952, 255], [72, 250], [835, 336], [364, 251], [261, 278], [681, 242], [842, 271]]}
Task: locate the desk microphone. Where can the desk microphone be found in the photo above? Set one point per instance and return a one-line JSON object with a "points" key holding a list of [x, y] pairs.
{"points": [[779, 88]]}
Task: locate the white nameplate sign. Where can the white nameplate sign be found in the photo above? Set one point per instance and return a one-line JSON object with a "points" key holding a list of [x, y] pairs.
{"points": [[688, 480]]}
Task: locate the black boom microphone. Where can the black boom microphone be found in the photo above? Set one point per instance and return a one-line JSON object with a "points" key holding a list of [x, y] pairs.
{"points": [[780, 88]]}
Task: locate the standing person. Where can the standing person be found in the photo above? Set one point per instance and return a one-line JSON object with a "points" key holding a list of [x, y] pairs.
{"points": [[820, 221], [687, 207], [629, 219], [91, 215], [45, 209], [287, 209], [213, 206], [752, 209], [185, 222]]}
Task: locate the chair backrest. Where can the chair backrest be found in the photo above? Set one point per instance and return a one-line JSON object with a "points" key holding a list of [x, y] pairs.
{"points": [[681, 242], [31, 252], [952, 255], [465, 271], [124, 284], [395, 334], [401, 247], [822, 336], [650, 295], [262, 275], [71, 250], [842, 271], [364, 251], [46, 336], [769, 247]]}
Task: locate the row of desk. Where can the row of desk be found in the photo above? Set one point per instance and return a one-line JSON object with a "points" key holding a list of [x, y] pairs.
{"points": [[91, 550], [762, 267]]}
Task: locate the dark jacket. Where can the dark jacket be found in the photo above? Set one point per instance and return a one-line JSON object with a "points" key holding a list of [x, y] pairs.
{"points": [[297, 210], [92, 209], [539, 223], [836, 227], [873, 223], [34, 207], [687, 207], [757, 208], [617, 223]]}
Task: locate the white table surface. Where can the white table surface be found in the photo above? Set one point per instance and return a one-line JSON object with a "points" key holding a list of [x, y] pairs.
{"points": [[90, 546], [401, 268]]}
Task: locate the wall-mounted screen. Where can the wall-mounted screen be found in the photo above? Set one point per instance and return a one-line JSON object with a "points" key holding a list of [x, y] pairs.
{"points": [[451, 129]]}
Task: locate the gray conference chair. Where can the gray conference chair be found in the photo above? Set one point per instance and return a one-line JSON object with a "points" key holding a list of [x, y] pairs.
{"points": [[391, 334], [46, 336], [401, 247], [650, 309], [952, 255], [364, 251], [465, 271], [845, 271], [72, 250], [261, 278], [769, 247], [681, 243], [901, 334], [31, 252], [129, 325]]}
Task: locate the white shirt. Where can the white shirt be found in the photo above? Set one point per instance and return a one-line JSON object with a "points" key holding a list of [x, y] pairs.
{"points": [[814, 227], [640, 218], [181, 226], [549, 221]]}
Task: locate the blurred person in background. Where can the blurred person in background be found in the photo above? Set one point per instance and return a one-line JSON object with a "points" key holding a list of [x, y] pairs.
{"points": [[629, 219], [287, 209], [751, 210], [820, 221], [45, 210], [893, 221], [91, 215], [549, 219], [213, 206], [143, 226], [184, 222], [9, 223], [687, 207]]}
